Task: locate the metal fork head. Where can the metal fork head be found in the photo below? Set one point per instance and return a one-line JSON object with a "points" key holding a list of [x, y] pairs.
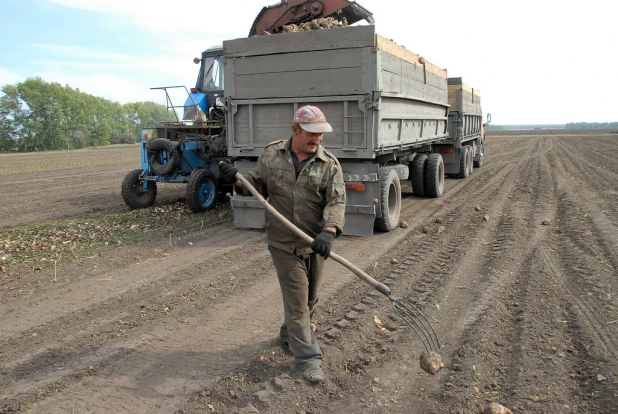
{"points": [[419, 323]]}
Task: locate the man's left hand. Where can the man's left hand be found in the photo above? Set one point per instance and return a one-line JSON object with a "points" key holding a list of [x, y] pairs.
{"points": [[323, 244]]}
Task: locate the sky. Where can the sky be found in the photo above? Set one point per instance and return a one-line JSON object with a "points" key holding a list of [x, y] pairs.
{"points": [[535, 62]]}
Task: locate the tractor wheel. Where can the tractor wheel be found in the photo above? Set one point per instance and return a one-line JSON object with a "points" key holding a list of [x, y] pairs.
{"points": [[163, 155], [417, 174], [133, 192], [390, 200], [464, 163], [202, 190], [434, 176]]}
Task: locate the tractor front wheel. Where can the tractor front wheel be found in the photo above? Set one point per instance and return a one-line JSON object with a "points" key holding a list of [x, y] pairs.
{"points": [[136, 192]]}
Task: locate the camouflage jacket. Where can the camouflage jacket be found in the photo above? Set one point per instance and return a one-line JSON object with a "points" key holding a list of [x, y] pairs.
{"points": [[313, 201]]}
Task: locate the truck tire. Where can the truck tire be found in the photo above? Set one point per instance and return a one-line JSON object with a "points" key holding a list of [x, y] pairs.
{"points": [[464, 163], [202, 190], [156, 149], [479, 163], [434, 176], [470, 160], [133, 192], [417, 174], [390, 200]]}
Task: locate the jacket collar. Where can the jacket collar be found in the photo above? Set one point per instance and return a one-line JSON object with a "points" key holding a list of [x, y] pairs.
{"points": [[319, 153]]}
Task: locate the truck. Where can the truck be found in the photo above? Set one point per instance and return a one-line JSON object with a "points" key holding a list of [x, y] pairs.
{"points": [[396, 117]]}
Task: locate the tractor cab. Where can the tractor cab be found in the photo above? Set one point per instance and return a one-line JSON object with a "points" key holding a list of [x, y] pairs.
{"points": [[206, 99]]}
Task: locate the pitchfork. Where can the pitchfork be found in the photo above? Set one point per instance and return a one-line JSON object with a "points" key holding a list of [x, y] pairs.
{"points": [[406, 310]]}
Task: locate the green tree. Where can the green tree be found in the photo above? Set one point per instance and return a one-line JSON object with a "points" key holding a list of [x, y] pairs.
{"points": [[36, 115]]}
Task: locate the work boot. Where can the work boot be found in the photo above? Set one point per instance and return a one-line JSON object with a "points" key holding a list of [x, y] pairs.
{"points": [[313, 374]]}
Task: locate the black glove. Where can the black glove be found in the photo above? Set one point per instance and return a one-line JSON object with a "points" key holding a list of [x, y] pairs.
{"points": [[323, 243], [227, 172]]}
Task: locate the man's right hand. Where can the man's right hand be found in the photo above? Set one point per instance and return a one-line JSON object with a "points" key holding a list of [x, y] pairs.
{"points": [[323, 243], [227, 172]]}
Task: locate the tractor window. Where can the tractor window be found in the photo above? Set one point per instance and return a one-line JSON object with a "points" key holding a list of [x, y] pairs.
{"points": [[213, 74]]}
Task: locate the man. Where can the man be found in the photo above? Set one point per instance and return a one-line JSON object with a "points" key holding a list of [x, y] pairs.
{"points": [[303, 182]]}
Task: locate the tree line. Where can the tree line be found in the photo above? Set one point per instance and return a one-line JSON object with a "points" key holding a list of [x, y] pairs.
{"points": [[591, 125], [38, 116]]}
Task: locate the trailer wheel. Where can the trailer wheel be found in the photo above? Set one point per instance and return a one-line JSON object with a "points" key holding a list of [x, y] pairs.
{"points": [[434, 176], [133, 192], [479, 163], [464, 162], [390, 200], [470, 160], [417, 173], [163, 155], [202, 190]]}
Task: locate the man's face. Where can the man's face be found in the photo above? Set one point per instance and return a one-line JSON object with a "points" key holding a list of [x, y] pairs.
{"points": [[305, 142]]}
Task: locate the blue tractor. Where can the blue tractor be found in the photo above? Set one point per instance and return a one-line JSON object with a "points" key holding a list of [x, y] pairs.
{"points": [[189, 149]]}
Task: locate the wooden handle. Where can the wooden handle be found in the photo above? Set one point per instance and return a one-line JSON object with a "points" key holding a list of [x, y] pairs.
{"points": [[380, 287]]}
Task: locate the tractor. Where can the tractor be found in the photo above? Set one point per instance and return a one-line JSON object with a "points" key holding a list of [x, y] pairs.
{"points": [[187, 150]]}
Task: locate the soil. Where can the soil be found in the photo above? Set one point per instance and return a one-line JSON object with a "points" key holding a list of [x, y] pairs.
{"points": [[165, 311]]}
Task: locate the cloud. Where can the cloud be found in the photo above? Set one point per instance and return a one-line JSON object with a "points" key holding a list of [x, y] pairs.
{"points": [[9, 78], [184, 16], [116, 76], [112, 87], [79, 52]]}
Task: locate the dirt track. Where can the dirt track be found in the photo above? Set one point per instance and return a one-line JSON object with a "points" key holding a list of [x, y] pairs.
{"points": [[186, 320]]}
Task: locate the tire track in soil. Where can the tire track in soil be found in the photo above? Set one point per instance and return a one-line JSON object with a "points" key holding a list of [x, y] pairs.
{"points": [[120, 299], [501, 334], [500, 244], [600, 212], [525, 388]]}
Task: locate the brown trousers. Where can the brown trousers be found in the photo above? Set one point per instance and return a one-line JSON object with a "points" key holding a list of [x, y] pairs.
{"points": [[300, 278]]}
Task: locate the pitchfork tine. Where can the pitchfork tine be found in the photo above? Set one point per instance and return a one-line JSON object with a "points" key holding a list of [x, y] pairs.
{"points": [[419, 323]]}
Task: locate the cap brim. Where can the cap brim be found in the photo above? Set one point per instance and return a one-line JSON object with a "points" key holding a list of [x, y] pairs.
{"points": [[317, 127]]}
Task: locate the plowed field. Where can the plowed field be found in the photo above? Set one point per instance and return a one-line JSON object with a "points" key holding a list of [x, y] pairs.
{"points": [[103, 310]]}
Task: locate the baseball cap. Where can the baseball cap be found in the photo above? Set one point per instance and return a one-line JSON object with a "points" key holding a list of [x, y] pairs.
{"points": [[311, 119]]}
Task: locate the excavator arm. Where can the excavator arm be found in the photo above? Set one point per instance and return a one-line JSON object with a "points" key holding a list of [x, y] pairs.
{"points": [[272, 18]]}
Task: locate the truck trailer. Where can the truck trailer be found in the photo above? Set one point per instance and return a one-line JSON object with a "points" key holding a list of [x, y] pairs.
{"points": [[395, 116]]}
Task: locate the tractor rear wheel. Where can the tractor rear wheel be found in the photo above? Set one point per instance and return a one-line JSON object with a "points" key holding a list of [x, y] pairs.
{"points": [[133, 192], [202, 190]]}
